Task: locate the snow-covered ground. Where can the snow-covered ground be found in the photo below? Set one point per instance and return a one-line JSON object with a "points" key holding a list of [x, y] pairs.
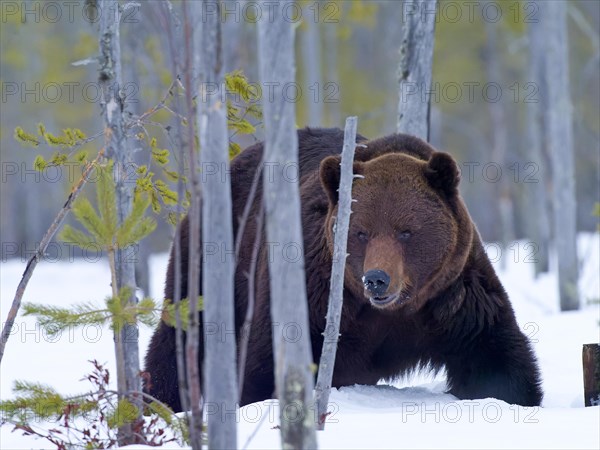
{"points": [[414, 413]]}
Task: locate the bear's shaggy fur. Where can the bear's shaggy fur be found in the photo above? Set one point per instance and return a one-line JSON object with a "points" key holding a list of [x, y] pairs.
{"points": [[439, 304]]}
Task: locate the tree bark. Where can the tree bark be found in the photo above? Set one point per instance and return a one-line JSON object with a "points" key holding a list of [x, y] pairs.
{"points": [[538, 222], [336, 291], [293, 377], [311, 62], [332, 80], [193, 24], [591, 374], [416, 61], [220, 377], [499, 135], [117, 149], [560, 142]]}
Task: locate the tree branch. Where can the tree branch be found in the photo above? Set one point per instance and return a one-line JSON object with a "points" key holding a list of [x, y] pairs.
{"points": [[336, 298], [41, 249]]}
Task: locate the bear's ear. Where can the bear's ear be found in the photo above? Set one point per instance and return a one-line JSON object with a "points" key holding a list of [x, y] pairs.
{"points": [[330, 176], [442, 173]]}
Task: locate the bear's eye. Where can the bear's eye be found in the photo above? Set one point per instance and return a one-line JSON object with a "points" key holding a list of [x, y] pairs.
{"points": [[404, 235], [362, 236]]}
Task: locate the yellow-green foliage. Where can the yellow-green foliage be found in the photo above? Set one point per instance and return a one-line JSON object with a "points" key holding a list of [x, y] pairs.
{"points": [[41, 411], [36, 401], [117, 312], [71, 138], [125, 412], [169, 314], [26, 138], [102, 227]]}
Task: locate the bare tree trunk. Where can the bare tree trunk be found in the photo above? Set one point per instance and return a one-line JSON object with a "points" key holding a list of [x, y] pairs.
{"points": [[336, 291], [416, 61], [499, 132], [126, 341], [591, 374], [538, 221], [293, 377], [193, 24], [220, 375], [389, 34], [142, 253], [560, 141], [331, 86], [311, 62]]}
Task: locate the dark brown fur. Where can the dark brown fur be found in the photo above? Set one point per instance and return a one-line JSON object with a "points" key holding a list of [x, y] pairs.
{"points": [[453, 313]]}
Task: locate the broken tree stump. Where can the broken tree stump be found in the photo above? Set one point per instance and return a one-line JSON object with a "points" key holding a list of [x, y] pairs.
{"points": [[591, 374]]}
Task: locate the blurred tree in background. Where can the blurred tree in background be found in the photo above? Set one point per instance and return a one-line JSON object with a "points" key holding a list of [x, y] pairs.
{"points": [[354, 72]]}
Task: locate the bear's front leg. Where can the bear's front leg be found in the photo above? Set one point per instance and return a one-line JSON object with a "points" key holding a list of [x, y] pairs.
{"points": [[498, 363]]}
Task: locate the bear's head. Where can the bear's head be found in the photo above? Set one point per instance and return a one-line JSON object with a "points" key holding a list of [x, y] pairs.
{"points": [[410, 233]]}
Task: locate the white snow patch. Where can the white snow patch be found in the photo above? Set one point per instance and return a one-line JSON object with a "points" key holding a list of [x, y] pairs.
{"points": [[412, 413]]}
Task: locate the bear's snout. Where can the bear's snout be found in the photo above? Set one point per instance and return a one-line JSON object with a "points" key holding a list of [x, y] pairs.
{"points": [[376, 282]]}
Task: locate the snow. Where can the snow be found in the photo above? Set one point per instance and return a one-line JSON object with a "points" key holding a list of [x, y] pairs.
{"points": [[413, 413]]}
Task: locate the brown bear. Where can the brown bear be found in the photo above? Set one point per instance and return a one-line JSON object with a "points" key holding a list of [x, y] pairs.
{"points": [[420, 291]]}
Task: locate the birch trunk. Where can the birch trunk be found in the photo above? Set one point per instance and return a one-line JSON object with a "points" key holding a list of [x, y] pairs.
{"points": [[332, 81], [293, 377], [126, 341], [336, 292], [220, 375], [538, 222], [311, 62], [192, 28], [499, 138], [416, 61], [560, 142]]}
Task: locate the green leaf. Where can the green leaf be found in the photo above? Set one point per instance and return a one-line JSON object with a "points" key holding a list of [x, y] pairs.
{"points": [[169, 311], [80, 135], [171, 175], [81, 156], [79, 238], [242, 126], [57, 141], [237, 83], [58, 159], [26, 138], [147, 312], [234, 149], [254, 111], [135, 227], [162, 411], [39, 163], [86, 215], [125, 412], [55, 319], [155, 202], [160, 156], [107, 204], [169, 197]]}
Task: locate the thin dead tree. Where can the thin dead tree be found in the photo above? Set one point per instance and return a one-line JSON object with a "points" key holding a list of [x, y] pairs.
{"points": [[117, 149], [192, 27], [560, 142], [310, 44], [538, 222], [220, 377], [173, 27], [41, 250], [293, 377], [336, 290], [415, 68], [499, 135]]}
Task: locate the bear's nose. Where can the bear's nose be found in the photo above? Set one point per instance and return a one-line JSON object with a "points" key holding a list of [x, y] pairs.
{"points": [[376, 282]]}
